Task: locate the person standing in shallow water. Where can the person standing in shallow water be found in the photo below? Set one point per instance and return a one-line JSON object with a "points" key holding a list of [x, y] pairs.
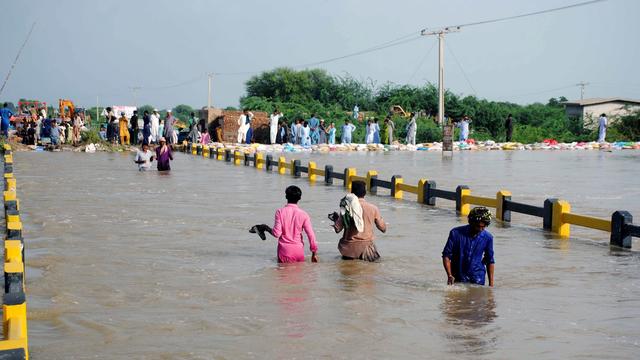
{"points": [[358, 220], [469, 250], [289, 223], [163, 155]]}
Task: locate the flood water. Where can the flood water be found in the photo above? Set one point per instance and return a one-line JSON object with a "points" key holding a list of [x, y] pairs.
{"points": [[130, 265]]}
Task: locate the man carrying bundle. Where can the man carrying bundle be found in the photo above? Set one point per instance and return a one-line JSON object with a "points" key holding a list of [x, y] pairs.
{"points": [[357, 219]]}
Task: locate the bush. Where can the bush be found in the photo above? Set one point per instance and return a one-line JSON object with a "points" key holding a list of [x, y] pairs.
{"points": [[91, 136]]}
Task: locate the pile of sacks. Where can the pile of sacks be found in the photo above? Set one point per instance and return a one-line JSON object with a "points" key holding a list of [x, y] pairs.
{"points": [[470, 144]]}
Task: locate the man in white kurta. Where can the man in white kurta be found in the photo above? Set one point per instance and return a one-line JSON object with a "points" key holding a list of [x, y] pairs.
{"points": [[244, 121], [155, 126], [274, 120], [602, 127]]}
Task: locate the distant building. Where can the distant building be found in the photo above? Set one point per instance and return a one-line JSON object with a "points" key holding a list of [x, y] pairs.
{"points": [[590, 109]]}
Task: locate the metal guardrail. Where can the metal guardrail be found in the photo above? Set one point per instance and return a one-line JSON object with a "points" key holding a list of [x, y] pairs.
{"points": [[556, 214]]}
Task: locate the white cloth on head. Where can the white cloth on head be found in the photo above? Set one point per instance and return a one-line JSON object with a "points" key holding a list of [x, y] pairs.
{"points": [[350, 204]]}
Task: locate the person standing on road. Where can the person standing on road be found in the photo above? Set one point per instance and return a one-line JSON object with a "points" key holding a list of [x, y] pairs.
{"points": [[155, 126], [146, 128], [357, 219], [347, 130], [314, 133], [469, 250], [602, 127], [464, 128], [508, 125], [412, 129], [356, 112], [290, 221], [124, 129], [274, 120], [134, 127], [244, 123], [331, 132], [5, 115], [169, 121]]}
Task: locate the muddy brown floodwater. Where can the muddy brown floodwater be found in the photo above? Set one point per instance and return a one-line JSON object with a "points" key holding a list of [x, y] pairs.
{"points": [[130, 265]]}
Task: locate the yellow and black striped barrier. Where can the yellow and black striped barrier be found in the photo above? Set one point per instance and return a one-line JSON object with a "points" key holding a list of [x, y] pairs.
{"points": [[556, 214], [14, 344]]}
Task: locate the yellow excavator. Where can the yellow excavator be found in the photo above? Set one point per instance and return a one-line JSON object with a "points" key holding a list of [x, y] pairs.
{"points": [[66, 108]]}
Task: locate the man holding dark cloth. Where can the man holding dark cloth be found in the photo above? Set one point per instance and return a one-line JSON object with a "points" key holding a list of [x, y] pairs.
{"points": [[469, 250]]}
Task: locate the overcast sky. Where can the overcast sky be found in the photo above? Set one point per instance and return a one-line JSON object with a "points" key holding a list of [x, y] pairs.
{"points": [[86, 49]]}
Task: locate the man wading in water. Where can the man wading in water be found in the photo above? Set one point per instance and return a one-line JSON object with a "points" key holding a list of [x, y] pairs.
{"points": [[357, 220], [462, 256], [289, 223]]}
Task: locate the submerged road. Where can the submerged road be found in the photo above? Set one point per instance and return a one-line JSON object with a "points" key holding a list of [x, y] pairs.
{"points": [[123, 264]]}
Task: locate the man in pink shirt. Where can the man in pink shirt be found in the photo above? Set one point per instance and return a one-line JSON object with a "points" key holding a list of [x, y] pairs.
{"points": [[289, 222]]}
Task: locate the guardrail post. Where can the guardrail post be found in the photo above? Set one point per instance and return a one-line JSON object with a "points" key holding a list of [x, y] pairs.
{"points": [[194, 149], [547, 219], [205, 151], [395, 192], [236, 157], [295, 168], [558, 226], [246, 159], [258, 160], [227, 155], [198, 149], [502, 213], [281, 165], [312, 168], [213, 153], [269, 162], [619, 234], [429, 198], [462, 207], [328, 171], [421, 190], [348, 173], [372, 186]]}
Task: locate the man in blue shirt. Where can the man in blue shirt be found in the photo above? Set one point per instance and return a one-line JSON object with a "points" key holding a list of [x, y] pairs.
{"points": [[469, 250], [5, 115]]}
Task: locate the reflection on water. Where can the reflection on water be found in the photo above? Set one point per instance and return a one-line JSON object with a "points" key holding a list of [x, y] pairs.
{"points": [[292, 292], [469, 309]]}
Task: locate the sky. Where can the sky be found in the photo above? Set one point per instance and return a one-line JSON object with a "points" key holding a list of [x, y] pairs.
{"points": [[99, 51]]}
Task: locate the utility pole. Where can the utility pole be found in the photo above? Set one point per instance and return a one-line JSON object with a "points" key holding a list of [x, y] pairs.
{"points": [[582, 85], [440, 33], [447, 129], [210, 76]]}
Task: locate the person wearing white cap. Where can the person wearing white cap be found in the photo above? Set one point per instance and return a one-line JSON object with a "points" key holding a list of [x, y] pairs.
{"points": [[155, 125]]}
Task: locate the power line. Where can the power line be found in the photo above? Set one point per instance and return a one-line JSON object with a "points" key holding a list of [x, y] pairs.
{"points": [[546, 11], [543, 91], [17, 57], [461, 69], [399, 41], [415, 72]]}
